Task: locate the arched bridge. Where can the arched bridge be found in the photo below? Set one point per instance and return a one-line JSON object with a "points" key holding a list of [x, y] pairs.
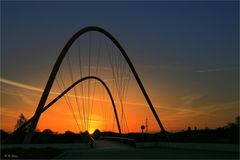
{"points": [[41, 105]]}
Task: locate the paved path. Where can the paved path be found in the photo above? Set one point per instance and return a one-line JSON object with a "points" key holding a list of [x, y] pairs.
{"points": [[111, 145], [113, 150]]}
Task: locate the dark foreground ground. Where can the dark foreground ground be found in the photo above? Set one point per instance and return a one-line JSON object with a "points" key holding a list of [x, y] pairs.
{"points": [[32, 153], [149, 154], [113, 150]]}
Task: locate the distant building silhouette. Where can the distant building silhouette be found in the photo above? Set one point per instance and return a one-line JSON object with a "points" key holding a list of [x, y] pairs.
{"points": [[237, 119]]}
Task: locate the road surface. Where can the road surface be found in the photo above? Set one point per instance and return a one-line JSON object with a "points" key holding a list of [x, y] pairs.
{"points": [[113, 150]]}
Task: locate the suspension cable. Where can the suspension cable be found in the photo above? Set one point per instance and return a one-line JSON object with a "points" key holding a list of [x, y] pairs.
{"points": [[74, 89], [89, 72], [97, 67], [67, 99], [81, 86]]}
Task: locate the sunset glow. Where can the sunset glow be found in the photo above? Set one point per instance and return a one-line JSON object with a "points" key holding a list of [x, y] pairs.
{"points": [[188, 64]]}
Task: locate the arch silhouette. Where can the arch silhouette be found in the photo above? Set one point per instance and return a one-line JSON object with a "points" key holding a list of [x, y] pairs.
{"points": [[68, 89], [58, 64]]}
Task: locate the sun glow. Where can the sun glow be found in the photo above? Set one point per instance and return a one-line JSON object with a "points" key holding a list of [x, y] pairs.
{"points": [[91, 130]]}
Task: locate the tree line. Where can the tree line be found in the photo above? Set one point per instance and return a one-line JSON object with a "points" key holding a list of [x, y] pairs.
{"points": [[226, 134]]}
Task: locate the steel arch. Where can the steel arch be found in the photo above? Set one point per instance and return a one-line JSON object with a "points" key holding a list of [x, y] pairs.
{"points": [[58, 64], [68, 89]]}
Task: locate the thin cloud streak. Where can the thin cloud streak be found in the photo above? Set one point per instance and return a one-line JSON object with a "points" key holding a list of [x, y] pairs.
{"points": [[20, 85], [33, 88], [36, 89], [211, 70]]}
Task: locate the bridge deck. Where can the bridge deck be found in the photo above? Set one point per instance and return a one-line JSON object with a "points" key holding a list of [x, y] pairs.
{"points": [[111, 150]]}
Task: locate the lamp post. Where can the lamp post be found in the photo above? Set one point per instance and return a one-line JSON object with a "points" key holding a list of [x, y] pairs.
{"points": [[142, 128]]}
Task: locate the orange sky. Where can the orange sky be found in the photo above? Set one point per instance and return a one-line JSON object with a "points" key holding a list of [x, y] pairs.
{"points": [[185, 53], [59, 118]]}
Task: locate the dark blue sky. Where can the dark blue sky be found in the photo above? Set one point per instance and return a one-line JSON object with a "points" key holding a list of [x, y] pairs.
{"points": [[186, 47], [191, 34]]}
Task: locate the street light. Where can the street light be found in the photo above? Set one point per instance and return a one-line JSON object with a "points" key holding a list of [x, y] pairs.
{"points": [[142, 128]]}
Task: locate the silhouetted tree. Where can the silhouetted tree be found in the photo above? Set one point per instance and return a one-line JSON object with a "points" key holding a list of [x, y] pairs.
{"points": [[47, 132], [18, 136], [96, 134], [20, 121]]}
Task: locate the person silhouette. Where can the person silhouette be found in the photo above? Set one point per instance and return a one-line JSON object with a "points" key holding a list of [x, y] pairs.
{"points": [[91, 141]]}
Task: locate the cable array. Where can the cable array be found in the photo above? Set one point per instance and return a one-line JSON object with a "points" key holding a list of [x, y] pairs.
{"points": [[97, 57]]}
